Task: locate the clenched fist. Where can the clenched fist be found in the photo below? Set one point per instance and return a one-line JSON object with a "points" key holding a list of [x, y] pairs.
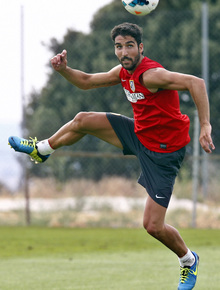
{"points": [[59, 61]]}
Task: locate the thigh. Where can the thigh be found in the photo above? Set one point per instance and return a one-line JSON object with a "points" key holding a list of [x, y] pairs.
{"points": [[98, 125], [124, 128], [154, 214], [159, 171]]}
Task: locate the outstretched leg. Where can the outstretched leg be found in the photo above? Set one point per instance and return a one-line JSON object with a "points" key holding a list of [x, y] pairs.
{"points": [[96, 124], [92, 123]]}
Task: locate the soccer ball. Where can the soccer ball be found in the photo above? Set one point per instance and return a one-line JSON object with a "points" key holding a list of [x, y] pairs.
{"points": [[140, 7]]}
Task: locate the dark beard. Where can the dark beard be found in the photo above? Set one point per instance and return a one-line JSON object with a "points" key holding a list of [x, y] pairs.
{"points": [[134, 62]]}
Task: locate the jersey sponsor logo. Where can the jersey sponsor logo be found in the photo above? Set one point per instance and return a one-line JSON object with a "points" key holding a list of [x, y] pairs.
{"points": [[133, 97]]}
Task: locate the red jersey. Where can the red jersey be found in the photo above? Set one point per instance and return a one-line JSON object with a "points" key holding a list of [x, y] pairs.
{"points": [[158, 122]]}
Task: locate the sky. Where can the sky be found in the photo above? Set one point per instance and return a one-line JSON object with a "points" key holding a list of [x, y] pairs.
{"points": [[43, 20]]}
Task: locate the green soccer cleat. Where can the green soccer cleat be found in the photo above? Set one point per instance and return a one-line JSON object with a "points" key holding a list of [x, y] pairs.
{"points": [[188, 275], [27, 146]]}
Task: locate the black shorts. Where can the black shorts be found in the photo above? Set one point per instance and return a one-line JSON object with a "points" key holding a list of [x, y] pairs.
{"points": [[159, 170]]}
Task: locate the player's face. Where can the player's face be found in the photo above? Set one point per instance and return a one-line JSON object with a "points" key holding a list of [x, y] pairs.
{"points": [[128, 52]]}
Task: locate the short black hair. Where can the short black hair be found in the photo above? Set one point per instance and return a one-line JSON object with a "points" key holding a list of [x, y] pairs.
{"points": [[128, 29]]}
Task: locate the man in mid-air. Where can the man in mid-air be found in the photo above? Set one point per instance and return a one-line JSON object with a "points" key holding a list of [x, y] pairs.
{"points": [[157, 134]]}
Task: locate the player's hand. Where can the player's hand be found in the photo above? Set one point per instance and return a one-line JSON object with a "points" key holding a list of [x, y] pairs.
{"points": [[205, 138], [59, 61]]}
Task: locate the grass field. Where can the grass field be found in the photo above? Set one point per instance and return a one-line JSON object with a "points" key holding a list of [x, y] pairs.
{"points": [[121, 259]]}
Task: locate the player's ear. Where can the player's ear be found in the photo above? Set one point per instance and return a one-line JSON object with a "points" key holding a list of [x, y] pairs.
{"points": [[141, 48]]}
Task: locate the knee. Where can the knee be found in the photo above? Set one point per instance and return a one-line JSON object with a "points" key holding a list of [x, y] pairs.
{"points": [[79, 121], [153, 229]]}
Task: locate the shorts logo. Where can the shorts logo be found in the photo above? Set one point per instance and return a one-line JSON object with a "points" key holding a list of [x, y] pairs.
{"points": [[132, 86], [157, 196]]}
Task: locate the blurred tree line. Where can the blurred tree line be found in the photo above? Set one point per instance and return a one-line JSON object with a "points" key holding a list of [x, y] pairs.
{"points": [[172, 36]]}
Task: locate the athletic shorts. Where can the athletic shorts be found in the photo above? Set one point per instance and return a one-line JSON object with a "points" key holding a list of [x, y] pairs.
{"points": [[159, 170]]}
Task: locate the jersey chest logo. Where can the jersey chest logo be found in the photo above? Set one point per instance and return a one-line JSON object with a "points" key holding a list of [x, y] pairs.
{"points": [[132, 86]]}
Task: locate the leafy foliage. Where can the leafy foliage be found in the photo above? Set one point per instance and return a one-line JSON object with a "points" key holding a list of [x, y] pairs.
{"points": [[172, 36]]}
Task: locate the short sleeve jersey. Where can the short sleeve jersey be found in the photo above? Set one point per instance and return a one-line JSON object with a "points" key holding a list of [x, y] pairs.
{"points": [[159, 124]]}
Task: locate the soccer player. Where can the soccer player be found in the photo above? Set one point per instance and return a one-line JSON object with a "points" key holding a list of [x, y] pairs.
{"points": [[157, 134]]}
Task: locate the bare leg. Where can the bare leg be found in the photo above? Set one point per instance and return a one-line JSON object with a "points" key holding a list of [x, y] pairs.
{"points": [[154, 216], [92, 123]]}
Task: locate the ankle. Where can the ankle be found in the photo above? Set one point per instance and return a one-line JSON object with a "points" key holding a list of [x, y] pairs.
{"points": [[44, 147], [187, 260]]}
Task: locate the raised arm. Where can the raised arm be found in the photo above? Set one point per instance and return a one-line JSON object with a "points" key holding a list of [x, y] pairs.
{"points": [[161, 78], [84, 80]]}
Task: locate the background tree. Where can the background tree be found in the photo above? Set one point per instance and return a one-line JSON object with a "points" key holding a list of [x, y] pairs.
{"points": [[172, 36]]}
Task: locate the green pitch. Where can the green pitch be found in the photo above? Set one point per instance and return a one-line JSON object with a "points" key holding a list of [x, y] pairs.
{"points": [[116, 259]]}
